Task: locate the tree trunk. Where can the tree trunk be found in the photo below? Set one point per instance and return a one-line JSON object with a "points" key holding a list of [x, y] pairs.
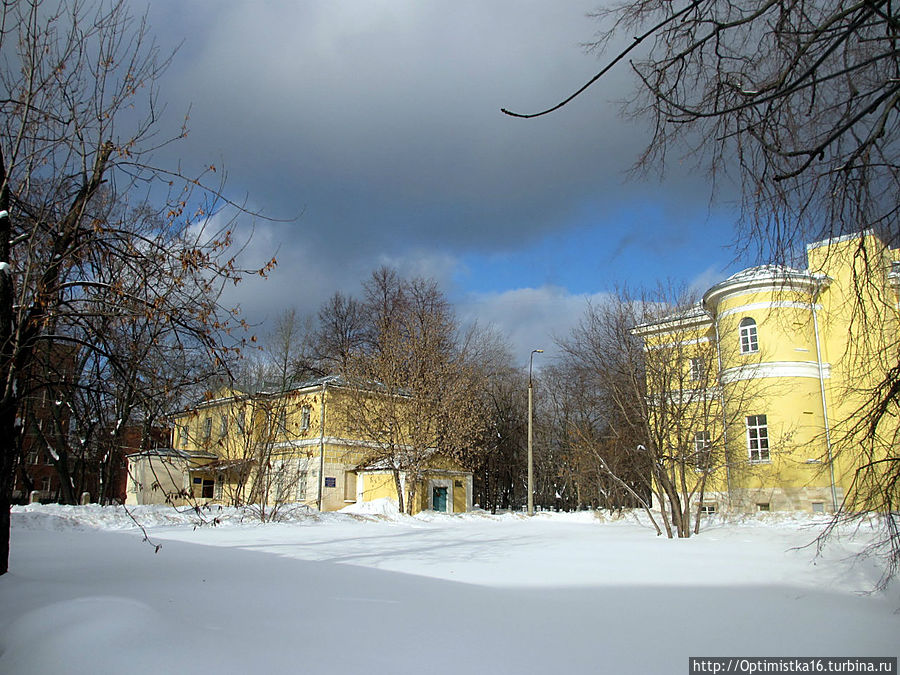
{"points": [[8, 400], [411, 496], [399, 488]]}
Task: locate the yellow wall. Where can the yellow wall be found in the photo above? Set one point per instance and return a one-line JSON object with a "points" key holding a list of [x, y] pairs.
{"points": [[381, 485], [277, 425], [791, 309]]}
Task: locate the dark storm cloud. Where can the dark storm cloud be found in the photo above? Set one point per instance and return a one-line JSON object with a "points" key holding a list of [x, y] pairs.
{"points": [[379, 122]]}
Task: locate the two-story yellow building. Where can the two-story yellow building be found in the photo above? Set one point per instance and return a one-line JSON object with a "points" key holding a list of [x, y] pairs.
{"points": [[305, 445], [794, 358]]}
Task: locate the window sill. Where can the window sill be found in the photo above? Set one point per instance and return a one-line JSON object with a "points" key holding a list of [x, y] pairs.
{"points": [[760, 461]]}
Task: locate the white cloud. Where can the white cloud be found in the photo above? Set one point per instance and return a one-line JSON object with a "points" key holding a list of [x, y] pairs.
{"points": [[530, 318], [706, 279]]}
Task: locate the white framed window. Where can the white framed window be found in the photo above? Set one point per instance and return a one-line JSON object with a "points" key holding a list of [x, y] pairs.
{"points": [[301, 482], [707, 508], [220, 483], [280, 483], [205, 486], [818, 507], [698, 369], [758, 438], [183, 435], [304, 418], [763, 506], [223, 425], [749, 336], [207, 428], [282, 421], [702, 450]]}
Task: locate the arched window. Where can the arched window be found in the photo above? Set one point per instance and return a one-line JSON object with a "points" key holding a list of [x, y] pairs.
{"points": [[749, 339]]}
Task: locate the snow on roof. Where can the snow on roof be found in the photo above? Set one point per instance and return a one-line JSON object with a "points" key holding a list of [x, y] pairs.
{"points": [[306, 384], [684, 316], [172, 452], [764, 275], [765, 272]]}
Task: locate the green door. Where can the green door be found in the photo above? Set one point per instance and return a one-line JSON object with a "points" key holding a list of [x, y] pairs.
{"points": [[439, 499]]}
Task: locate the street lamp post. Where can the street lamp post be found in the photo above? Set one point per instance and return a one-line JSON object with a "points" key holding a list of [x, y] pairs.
{"points": [[530, 454]]}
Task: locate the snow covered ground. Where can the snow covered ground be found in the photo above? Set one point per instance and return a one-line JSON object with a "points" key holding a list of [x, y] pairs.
{"points": [[473, 593]]}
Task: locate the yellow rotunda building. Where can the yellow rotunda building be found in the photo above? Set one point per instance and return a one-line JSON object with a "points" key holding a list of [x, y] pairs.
{"points": [[794, 358]]}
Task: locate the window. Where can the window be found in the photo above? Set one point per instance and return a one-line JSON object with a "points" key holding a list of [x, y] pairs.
{"points": [[701, 450], [749, 338], [304, 418], [183, 435], [763, 507], [349, 486], [708, 508], [818, 507], [758, 438], [282, 421], [206, 485], [697, 369], [301, 483], [220, 483], [33, 457], [207, 428], [223, 425], [279, 484]]}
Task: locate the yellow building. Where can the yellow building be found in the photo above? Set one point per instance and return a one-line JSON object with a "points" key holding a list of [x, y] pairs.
{"points": [[307, 445], [792, 359]]}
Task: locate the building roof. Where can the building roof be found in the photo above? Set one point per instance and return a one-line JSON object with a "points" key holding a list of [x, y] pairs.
{"points": [[236, 394], [692, 315], [759, 276], [172, 452], [305, 384], [764, 272], [763, 276]]}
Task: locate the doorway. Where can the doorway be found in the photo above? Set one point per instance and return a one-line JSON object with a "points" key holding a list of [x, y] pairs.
{"points": [[439, 498]]}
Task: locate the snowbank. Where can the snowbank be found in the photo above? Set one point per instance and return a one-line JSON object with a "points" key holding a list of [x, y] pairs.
{"points": [[380, 592]]}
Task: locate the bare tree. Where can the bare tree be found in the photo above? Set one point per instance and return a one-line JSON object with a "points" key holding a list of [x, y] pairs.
{"points": [[798, 102], [79, 235], [799, 98], [661, 417], [599, 464], [341, 334], [417, 386], [500, 479], [250, 425]]}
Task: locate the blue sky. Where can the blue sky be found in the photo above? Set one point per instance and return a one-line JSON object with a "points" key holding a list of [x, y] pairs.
{"points": [[374, 130], [585, 256]]}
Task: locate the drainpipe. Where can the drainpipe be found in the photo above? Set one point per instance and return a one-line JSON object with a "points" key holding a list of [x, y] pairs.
{"points": [[722, 406], [321, 448], [834, 503]]}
